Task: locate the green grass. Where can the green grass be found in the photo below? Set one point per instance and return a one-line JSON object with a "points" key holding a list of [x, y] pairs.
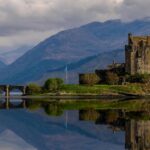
{"points": [[102, 89], [127, 105], [107, 104], [82, 89]]}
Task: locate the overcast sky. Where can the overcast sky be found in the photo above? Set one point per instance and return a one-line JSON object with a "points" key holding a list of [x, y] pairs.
{"points": [[27, 22]]}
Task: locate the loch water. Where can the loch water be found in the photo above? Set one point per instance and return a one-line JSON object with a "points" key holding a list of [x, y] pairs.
{"points": [[74, 124]]}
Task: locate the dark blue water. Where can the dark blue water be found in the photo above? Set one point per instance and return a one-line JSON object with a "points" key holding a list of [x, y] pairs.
{"points": [[24, 130], [23, 127]]}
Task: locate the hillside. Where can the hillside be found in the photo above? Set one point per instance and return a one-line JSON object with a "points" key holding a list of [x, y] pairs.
{"points": [[2, 65], [89, 64], [10, 56], [71, 46]]}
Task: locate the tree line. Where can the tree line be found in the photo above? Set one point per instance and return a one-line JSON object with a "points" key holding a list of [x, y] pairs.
{"points": [[50, 85]]}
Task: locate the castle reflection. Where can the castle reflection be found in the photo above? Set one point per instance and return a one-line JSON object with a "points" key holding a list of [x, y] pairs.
{"points": [[135, 124], [137, 135]]}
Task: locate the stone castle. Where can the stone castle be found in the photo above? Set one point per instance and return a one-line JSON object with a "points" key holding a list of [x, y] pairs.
{"points": [[137, 55], [137, 61], [137, 135]]}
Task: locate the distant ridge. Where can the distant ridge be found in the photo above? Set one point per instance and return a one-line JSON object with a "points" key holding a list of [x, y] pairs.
{"points": [[71, 46], [2, 65], [11, 56], [89, 64]]}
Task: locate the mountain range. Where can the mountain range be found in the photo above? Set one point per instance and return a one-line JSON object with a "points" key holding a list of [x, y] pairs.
{"points": [[84, 49], [2, 65], [89, 64], [10, 56]]}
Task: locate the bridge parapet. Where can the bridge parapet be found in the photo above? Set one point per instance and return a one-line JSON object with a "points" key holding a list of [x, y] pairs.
{"points": [[7, 89]]}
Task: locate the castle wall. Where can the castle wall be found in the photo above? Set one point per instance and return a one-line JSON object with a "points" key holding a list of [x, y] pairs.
{"points": [[137, 135], [147, 60], [137, 55], [127, 60]]}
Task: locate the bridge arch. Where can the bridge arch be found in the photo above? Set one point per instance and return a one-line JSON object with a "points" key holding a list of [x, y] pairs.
{"points": [[8, 88], [20, 88], [8, 103]]}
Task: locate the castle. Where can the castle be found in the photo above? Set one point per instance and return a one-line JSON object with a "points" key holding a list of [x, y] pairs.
{"points": [[137, 55], [137, 61], [137, 135]]}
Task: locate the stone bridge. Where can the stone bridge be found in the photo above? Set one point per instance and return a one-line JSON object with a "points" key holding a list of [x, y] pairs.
{"points": [[8, 88], [7, 104]]}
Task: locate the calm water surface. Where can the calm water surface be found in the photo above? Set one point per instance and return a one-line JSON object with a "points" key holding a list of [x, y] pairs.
{"points": [[58, 125]]}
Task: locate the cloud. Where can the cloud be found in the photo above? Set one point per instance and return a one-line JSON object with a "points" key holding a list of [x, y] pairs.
{"points": [[30, 21], [134, 9], [44, 14]]}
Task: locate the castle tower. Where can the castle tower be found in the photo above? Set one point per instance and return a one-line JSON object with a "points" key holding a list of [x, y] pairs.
{"points": [[137, 55], [137, 135]]}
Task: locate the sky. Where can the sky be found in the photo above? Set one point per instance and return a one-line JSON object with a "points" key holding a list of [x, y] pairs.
{"points": [[27, 22]]}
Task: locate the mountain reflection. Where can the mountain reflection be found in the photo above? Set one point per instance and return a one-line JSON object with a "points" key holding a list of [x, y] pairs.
{"points": [[135, 122]]}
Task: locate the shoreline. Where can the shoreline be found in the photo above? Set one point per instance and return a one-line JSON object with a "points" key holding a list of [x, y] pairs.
{"points": [[77, 96], [89, 92]]}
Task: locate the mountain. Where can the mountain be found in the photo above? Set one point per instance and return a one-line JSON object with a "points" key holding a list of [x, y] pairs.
{"points": [[10, 56], [86, 65], [71, 46], [2, 65]]}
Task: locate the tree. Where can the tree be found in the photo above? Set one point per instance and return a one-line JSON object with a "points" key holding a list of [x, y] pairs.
{"points": [[33, 88], [53, 109], [89, 114], [60, 82], [89, 79], [111, 78], [53, 84], [111, 116]]}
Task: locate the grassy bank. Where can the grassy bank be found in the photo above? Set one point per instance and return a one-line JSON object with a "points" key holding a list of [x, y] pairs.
{"points": [[106, 104], [90, 109], [98, 90], [134, 89], [139, 104]]}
